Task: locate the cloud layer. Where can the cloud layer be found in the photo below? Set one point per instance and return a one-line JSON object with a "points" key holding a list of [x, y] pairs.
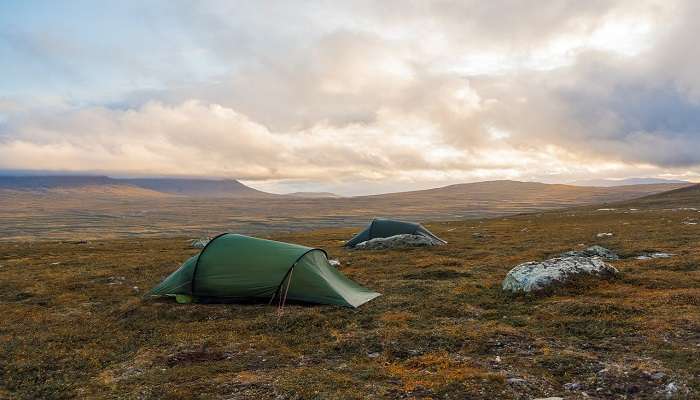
{"points": [[356, 97]]}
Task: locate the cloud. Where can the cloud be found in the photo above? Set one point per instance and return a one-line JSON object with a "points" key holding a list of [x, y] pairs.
{"points": [[412, 92]]}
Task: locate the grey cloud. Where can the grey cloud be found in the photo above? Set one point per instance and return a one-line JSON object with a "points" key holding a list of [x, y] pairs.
{"points": [[325, 91]]}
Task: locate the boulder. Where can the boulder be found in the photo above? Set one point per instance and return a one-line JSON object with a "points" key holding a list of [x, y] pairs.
{"points": [[593, 251], [397, 242], [535, 276]]}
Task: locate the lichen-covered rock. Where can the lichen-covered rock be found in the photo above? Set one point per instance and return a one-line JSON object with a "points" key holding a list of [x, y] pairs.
{"points": [[397, 242], [535, 276], [649, 256], [593, 251]]}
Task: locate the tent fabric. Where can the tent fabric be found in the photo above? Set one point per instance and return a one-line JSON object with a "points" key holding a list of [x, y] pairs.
{"points": [[383, 228], [235, 266]]}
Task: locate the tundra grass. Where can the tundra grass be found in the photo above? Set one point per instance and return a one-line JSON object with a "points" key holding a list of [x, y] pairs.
{"points": [[74, 324]]}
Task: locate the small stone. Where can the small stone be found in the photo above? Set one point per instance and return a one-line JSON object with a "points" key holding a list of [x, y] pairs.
{"points": [[604, 235], [572, 386], [334, 263], [373, 355], [657, 376], [649, 256], [670, 390], [199, 243], [516, 381], [593, 251]]}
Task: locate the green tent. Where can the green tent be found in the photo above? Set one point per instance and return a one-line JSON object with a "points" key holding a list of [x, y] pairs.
{"points": [[234, 267], [383, 228]]}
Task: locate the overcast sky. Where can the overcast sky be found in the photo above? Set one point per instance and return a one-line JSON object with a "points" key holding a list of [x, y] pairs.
{"points": [[352, 97]]}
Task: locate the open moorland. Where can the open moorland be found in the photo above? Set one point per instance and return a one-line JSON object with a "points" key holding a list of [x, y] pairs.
{"points": [[75, 323], [105, 208]]}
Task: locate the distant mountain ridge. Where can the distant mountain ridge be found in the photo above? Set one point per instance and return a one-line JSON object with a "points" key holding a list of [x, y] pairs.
{"points": [[625, 182], [197, 187], [688, 196], [106, 207], [54, 181], [486, 193], [314, 195], [172, 186]]}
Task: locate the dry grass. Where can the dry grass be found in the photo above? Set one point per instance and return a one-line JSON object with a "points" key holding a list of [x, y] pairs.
{"points": [[74, 324], [107, 213]]}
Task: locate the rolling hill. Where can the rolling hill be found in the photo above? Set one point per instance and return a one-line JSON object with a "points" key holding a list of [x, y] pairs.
{"points": [[197, 187], [131, 186], [316, 195], [624, 182], [107, 207], [684, 197], [514, 194]]}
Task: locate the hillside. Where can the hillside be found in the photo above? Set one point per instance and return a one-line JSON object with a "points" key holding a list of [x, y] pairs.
{"points": [[80, 213], [75, 323], [197, 187], [30, 188], [53, 182], [317, 195], [514, 193], [683, 197], [126, 186], [624, 182]]}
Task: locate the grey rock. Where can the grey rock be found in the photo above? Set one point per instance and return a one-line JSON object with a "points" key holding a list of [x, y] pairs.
{"points": [[199, 243], [572, 386], [516, 381], [604, 235], [334, 263], [649, 256], [657, 376], [670, 390], [593, 251], [534, 276], [397, 242]]}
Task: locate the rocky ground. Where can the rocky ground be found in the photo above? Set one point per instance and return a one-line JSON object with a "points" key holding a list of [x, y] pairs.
{"points": [[74, 323]]}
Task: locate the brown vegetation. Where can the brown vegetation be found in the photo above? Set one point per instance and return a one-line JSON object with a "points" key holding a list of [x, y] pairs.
{"points": [[74, 323], [87, 212]]}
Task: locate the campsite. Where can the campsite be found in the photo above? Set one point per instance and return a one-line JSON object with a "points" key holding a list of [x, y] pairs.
{"points": [[442, 328], [349, 200]]}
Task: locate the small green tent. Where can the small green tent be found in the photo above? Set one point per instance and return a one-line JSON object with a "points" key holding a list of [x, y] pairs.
{"points": [[234, 266], [383, 228]]}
